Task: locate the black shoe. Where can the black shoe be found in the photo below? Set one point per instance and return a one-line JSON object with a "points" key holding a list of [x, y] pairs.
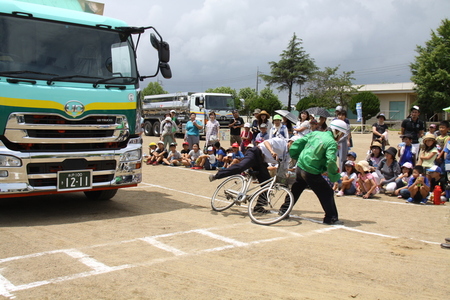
{"points": [[260, 210], [447, 240], [333, 222], [445, 246], [286, 217], [212, 177]]}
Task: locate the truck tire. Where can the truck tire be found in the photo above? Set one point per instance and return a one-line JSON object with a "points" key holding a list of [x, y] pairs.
{"points": [[148, 128], [156, 126], [101, 195]]}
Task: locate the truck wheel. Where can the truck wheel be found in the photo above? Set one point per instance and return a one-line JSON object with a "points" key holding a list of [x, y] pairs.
{"points": [[101, 195], [148, 128], [156, 126]]}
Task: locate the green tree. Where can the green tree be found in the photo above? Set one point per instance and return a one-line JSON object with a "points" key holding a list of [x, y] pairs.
{"points": [[370, 104], [306, 102], [267, 101], [249, 95], [153, 88], [330, 89], [227, 90], [431, 71], [294, 67]]}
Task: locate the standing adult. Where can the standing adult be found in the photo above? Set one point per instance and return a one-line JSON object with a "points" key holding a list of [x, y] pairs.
{"points": [[316, 154], [264, 117], [255, 125], [167, 135], [212, 129], [235, 128], [193, 126], [380, 131], [302, 127], [414, 127]]}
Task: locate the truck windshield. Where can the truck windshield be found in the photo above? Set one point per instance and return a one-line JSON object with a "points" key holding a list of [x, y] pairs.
{"points": [[219, 102], [39, 49]]}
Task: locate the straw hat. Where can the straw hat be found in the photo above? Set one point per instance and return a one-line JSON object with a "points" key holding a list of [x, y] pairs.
{"points": [[364, 164], [376, 144], [429, 136], [263, 112]]}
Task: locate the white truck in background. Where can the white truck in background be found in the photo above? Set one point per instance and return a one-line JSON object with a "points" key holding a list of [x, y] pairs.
{"points": [[155, 107]]}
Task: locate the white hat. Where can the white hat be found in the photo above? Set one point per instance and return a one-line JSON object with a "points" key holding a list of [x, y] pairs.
{"points": [[407, 165], [338, 108], [160, 142], [172, 111], [247, 125], [168, 119], [250, 146], [210, 148]]}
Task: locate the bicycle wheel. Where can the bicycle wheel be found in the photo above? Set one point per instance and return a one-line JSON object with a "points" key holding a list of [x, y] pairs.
{"points": [[226, 193], [269, 206]]}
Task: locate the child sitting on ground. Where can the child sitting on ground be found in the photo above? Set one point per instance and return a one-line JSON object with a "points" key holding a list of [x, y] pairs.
{"points": [[208, 160], [185, 151], [418, 186], [192, 160], [151, 153], [348, 178], [403, 179], [174, 157], [236, 156], [160, 153], [366, 185], [436, 178]]}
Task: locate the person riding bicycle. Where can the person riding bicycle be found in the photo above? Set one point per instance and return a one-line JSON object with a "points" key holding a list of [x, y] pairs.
{"points": [[258, 158], [316, 154]]}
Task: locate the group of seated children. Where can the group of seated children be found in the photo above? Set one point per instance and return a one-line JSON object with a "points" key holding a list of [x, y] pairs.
{"points": [[412, 177], [215, 156]]}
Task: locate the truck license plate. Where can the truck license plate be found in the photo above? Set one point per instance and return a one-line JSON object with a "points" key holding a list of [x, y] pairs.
{"points": [[74, 180]]}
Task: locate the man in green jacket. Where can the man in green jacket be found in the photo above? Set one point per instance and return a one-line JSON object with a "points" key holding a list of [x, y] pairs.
{"points": [[316, 154]]}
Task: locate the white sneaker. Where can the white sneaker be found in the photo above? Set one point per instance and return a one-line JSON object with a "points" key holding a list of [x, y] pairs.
{"points": [[340, 194]]}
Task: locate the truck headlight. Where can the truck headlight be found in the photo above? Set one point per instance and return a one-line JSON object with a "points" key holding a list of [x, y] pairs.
{"points": [[131, 155], [10, 161]]}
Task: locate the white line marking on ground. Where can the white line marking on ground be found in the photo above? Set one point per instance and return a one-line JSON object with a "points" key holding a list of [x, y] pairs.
{"points": [[158, 244], [221, 238], [5, 287], [174, 190], [88, 261]]}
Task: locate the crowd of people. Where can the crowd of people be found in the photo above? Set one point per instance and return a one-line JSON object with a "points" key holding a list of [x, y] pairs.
{"points": [[411, 170]]}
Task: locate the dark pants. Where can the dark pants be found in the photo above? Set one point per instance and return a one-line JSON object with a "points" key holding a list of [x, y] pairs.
{"points": [[253, 159], [322, 190]]}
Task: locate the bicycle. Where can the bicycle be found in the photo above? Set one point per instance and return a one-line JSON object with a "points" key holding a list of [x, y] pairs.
{"points": [[269, 204]]}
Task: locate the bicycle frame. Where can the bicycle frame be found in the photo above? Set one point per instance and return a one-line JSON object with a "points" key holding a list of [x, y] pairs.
{"points": [[242, 197]]}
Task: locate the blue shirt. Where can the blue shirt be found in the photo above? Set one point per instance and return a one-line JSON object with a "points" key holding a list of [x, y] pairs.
{"points": [[238, 155], [191, 129]]}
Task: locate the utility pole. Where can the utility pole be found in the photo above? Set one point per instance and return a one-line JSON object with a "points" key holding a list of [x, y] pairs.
{"points": [[257, 79]]}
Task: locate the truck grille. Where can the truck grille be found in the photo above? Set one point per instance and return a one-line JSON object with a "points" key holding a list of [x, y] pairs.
{"points": [[52, 168], [53, 132]]}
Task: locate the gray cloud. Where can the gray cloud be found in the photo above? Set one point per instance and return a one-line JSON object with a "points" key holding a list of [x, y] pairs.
{"points": [[223, 42]]}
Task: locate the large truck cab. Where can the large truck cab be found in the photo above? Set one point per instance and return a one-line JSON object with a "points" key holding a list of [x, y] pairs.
{"points": [[69, 101]]}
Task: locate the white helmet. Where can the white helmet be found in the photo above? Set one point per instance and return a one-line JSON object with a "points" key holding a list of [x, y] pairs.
{"points": [[338, 126]]}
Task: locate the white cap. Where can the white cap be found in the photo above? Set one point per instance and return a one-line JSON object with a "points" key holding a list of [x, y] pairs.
{"points": [[168, 119], [338, 108], [210, 148], [172, 111], [247, 125]]}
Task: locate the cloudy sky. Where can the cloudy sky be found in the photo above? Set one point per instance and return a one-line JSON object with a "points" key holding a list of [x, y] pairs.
{"points": [[225, 42]]}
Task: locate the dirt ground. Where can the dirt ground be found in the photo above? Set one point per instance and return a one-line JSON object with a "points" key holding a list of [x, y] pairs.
{"points": [[161, 240]]}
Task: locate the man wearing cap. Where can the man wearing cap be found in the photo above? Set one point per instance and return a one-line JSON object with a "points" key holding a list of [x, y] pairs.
{"points": [[413, 126], [236, 123], [380, 131]]}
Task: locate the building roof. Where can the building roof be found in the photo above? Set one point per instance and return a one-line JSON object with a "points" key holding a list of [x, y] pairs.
{"points": [[388, 88]]}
